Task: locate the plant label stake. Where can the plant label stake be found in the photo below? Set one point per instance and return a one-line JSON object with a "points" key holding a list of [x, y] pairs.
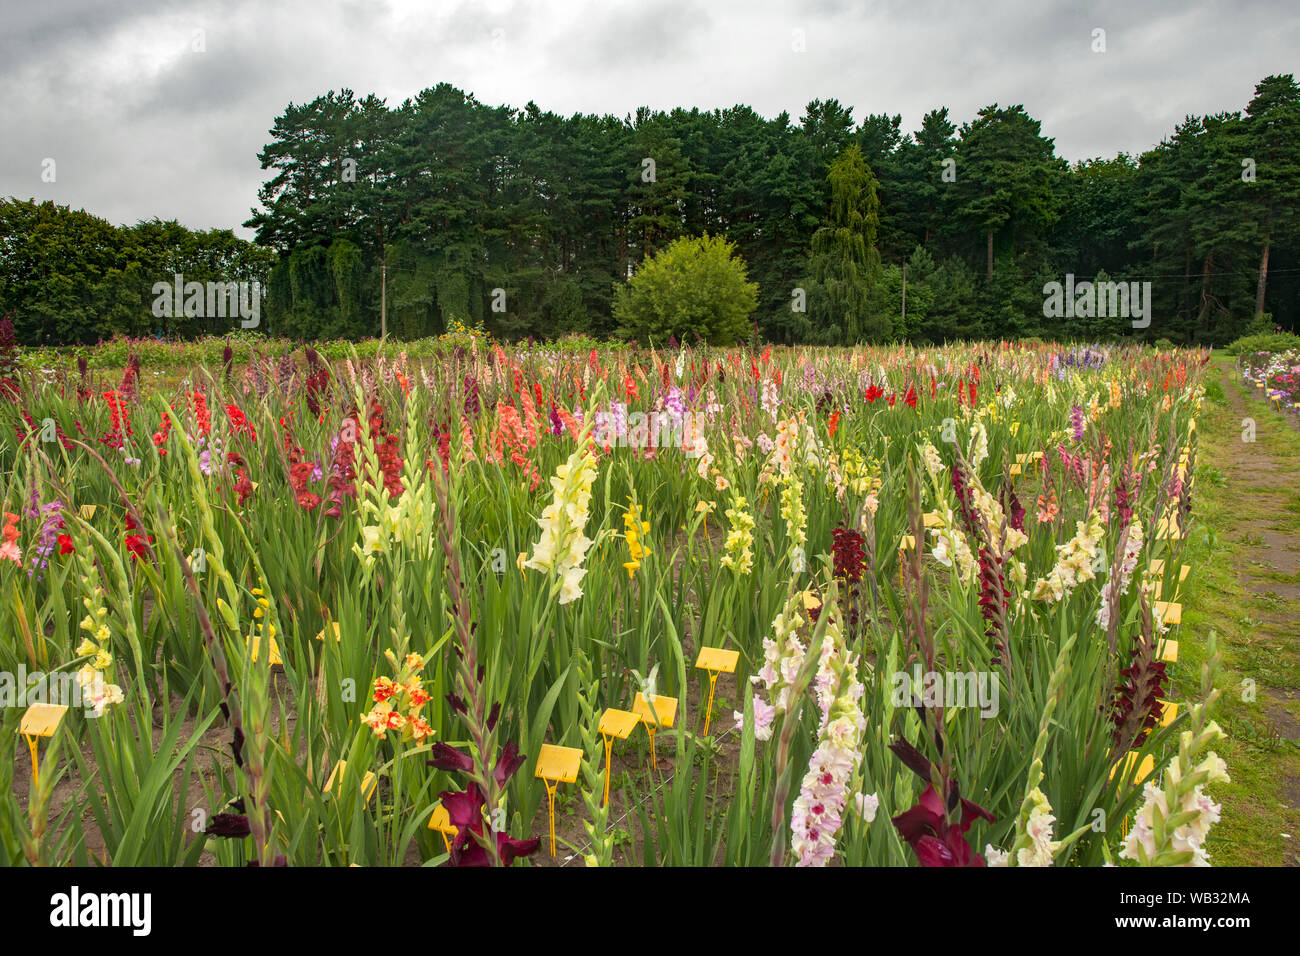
{"points": [[614, 723], [40, 720], [716, 661], [340, 769], [659, 713], [1127, 774], [1127, 770], [906, 543], [441, 822], [1170, 613], [556, 765]]}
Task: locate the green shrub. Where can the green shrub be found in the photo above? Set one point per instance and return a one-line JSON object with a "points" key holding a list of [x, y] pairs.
{"points": [[1264, 342], [695, 287]]}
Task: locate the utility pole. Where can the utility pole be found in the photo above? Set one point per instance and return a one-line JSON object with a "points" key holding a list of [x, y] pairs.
{"points": [[383, 297], [905, 293]]}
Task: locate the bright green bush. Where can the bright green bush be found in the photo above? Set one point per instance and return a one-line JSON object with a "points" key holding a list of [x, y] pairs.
{"points": [[1264, 342], [695, 287]]}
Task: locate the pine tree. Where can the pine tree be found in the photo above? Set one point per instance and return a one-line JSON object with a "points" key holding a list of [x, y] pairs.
{"points": [[1272, 129]]}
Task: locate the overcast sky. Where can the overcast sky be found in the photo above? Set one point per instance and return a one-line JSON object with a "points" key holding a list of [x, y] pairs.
{"points": [[140, 124]]}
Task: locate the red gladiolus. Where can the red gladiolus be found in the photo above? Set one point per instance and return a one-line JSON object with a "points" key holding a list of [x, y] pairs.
{"points": [[120, 421], [65, 544], [240, 423], [201, 414], [834, 423], [910, 398], [243, 487], [390, 462], [160, 436], [136, 545]]}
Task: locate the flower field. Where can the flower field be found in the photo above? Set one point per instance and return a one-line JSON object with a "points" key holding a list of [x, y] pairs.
{"points": [[802, 606], [1276, 375]]}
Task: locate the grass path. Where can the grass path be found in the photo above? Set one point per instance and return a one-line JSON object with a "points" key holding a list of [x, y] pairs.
{"points": [[1247, 532]]}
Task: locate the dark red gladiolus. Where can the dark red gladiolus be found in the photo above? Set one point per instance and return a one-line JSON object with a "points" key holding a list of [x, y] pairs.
{"points": [[229, 825], [933, 838], [848, 554], [458, 706], [130, 375], [1136, 710], [448, 758], [1015, 511], [465, 808], [911, 758]]}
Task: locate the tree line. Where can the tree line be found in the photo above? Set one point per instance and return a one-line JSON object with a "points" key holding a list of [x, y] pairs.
{"points": [[445, 209]]}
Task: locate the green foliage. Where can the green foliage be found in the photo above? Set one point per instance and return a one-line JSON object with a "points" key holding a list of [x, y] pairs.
{"points": [[70, 277], [423, 209], [1264, 342], [693, 289]]}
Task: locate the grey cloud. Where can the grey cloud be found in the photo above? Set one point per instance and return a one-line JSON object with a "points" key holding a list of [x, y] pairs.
{"points": [[179, 138]]}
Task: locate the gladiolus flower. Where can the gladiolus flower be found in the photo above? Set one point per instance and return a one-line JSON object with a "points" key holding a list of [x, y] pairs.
{"points": [[935, 840]]}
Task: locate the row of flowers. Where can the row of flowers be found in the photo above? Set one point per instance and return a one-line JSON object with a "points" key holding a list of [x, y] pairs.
{"points": [[546, 507]]}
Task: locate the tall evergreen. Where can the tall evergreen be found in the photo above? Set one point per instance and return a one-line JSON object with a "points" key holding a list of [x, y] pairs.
{"points": [[844, 265]]}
